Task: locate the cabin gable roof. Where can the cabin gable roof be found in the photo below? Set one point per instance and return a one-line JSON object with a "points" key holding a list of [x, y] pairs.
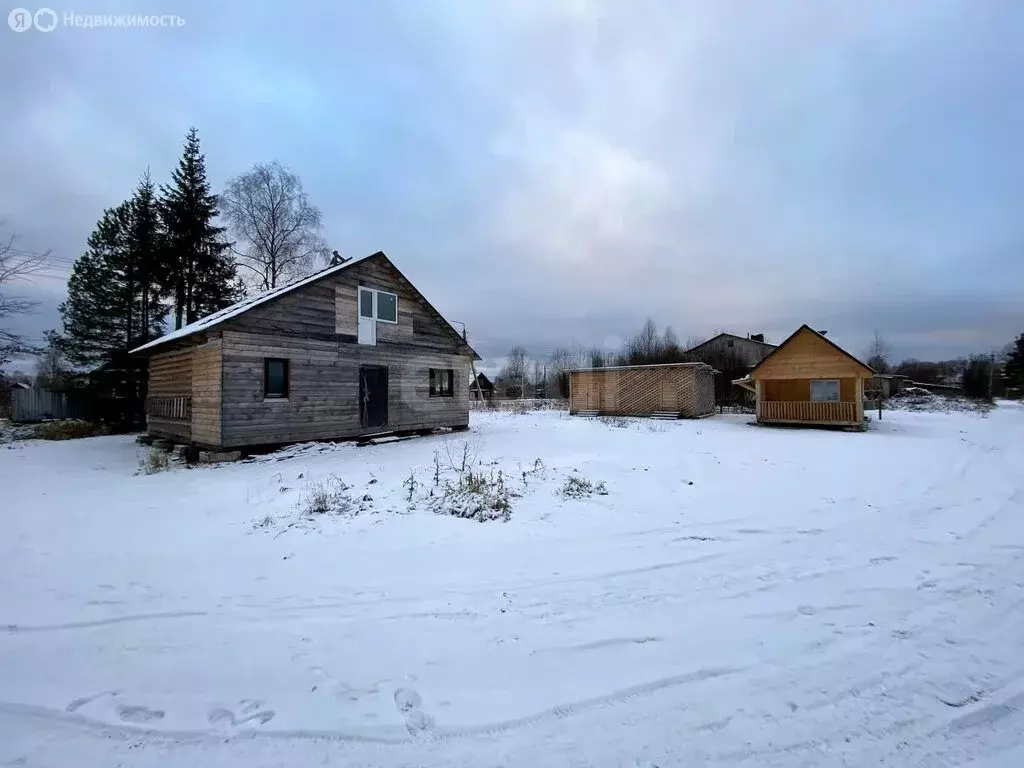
{"points": [[247, 305], [807, 354]]}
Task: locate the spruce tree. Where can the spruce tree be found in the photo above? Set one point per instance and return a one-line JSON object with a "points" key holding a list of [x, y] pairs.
{"points": [[1014, 370], [115, 299], [146, 247], [199, 274], [95, 314]]}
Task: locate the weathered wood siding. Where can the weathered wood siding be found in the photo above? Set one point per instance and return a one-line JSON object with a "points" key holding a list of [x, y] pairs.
{"points": [[206, 393], [807, 356], [687, 390], [170, 375], [724, 347], [323, 389], [315, 329], [327, 310]]}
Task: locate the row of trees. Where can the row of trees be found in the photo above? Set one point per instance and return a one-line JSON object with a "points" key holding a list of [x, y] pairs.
{"points": [[978, 375], [181, 250]]}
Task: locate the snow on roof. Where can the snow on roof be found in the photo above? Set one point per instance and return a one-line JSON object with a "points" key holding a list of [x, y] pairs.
{"points": [[245, 305]]}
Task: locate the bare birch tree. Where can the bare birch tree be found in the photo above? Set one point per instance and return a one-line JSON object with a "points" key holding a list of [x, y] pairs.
{"points": [[878, 353], [275, 226], [16, 265]]}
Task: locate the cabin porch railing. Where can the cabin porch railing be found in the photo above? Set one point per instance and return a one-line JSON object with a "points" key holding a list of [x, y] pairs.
{"points": [[807, 410], [175, 407]]}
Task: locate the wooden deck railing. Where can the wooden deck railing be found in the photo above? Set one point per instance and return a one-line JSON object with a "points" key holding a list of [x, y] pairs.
{"points": [[177, 407], [784, 410]]}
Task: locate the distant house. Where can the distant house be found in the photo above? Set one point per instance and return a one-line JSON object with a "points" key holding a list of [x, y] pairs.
{"points": [[809, 379], [668, 390], [886, 385], [749, 350], [732, 356], [482, 388], [7, 390], [350, 351]]}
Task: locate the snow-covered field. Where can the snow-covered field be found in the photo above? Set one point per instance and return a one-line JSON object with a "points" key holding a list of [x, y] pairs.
{"points": [[741, 595]]}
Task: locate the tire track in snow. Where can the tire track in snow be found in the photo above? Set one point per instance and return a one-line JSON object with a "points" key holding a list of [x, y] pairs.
{"points": [[558, 712], [13, 629]]}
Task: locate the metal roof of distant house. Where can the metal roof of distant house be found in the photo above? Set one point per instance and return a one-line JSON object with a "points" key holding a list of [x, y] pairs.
{"points": [[730, 336], [240, 307]]}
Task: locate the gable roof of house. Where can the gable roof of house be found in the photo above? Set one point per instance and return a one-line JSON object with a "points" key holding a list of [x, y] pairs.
{"points": [[240, 307], [730, 336], [484, 381], [821, 336]]}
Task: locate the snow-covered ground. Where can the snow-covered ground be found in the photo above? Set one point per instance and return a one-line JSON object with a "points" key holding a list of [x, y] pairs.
{"points": [[741, 595]]}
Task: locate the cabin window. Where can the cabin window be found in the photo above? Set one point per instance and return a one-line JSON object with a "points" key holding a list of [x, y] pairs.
{"points": [[387, 307], [730, 343], [275, 378], [381, 306], [442, 382], [825, 390]]}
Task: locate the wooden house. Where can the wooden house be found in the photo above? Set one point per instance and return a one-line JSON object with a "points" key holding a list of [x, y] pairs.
{"points": [[730, 350], [482, 388], [350, 351], [674, 390], [809, 379]]}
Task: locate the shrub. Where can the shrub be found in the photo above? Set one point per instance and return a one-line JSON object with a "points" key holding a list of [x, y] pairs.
{"points": [[579, 487], [474, 496], [70, 429], [329, 496]]}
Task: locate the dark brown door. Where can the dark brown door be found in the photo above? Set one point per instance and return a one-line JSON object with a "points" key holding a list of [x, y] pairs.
{"points": [[373, 395]]}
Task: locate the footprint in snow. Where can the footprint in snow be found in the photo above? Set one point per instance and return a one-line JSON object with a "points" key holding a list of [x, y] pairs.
{"points": [[225, 718], [407, 699], [408, 702]]}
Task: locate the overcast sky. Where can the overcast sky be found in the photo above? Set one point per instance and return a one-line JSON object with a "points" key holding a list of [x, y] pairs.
{"points": [[559, 170]]}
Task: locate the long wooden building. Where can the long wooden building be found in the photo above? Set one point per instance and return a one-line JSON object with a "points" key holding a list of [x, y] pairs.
{"points": [[809, 380], [350, 351], [682, 390]]}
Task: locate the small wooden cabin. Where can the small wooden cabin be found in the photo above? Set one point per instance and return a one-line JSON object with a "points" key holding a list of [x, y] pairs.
{"points": [[350, 351], [809, 379], [681, 390], [481, 388]]}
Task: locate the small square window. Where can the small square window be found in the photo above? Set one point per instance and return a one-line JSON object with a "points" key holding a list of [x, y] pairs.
{"points": [[442, 382], [825, 390], [387, 307], [275, 378]]}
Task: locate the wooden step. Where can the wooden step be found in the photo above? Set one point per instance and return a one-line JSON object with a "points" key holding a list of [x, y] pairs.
{"points": [[665, 415], [587, 413]]}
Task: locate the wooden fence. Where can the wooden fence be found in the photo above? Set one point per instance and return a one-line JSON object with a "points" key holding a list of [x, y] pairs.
{"points": [[28, 405]]}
